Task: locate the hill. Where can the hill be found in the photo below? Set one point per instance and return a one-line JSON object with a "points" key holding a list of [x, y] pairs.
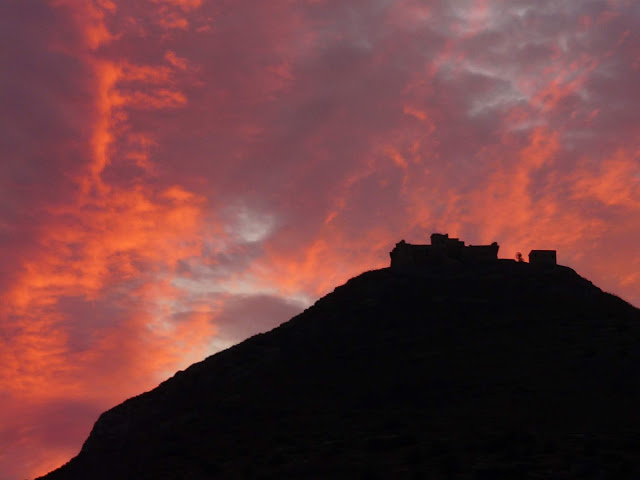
{"points": [[501, 370]]}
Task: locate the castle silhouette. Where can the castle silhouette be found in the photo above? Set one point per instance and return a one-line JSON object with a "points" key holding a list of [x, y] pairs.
{"points": [[445, 250]]}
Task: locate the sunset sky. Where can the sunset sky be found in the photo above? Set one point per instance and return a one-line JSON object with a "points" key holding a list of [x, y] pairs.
{"points": [[176, 175]]}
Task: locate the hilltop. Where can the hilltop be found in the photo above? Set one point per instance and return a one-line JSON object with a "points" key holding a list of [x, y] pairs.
{"points": [[480, 371]]}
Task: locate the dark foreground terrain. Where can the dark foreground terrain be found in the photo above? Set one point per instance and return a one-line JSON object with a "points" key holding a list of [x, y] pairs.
{"points": [[505, 371]]}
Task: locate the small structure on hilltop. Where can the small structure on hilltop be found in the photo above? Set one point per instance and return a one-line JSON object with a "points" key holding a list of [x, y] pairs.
{"points": [[543, 257], [442, 251]]}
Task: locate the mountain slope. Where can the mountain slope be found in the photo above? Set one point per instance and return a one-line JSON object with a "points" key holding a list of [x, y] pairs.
{"points": [[496, 371]]}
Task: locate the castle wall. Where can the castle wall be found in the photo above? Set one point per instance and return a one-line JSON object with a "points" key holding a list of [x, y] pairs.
{"points": [[443, 250], [482, 253]]}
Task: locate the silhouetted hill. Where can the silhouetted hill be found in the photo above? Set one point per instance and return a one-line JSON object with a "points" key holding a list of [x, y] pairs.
{"points": [[487, 372]]}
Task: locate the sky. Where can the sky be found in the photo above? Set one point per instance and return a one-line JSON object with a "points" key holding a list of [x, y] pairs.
{"points": [[177, 175]]}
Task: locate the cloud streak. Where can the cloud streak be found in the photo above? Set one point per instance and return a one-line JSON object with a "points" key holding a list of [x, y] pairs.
{"points": [[180, 174]]}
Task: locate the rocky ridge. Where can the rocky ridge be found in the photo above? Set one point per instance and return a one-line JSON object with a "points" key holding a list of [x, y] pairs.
{"points": [[487, 371]]}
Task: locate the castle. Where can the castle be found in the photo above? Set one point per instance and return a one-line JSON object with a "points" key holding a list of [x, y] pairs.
{"points": [[447, 251]]}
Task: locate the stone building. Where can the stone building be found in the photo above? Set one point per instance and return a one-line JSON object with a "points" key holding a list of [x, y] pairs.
{"points": [[543, 257], [442, 251]]}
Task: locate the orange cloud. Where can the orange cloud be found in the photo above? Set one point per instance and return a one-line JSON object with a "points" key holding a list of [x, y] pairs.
{"points": [[183, 4], [112, 242], [155, 186], [175, 61], [615, 182], [90, 16]]}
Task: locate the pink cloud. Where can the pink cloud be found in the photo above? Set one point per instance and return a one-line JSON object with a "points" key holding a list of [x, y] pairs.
{"points": [[178, 175]]}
